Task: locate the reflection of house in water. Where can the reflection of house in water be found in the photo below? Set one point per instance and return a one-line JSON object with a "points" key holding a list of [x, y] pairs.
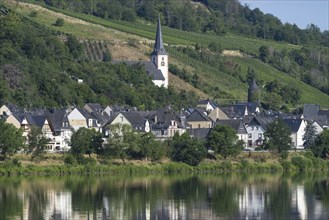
{"points": [[252, 202]]}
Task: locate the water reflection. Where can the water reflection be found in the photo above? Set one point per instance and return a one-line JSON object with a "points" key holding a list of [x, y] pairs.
{"points": [[209, 197]]}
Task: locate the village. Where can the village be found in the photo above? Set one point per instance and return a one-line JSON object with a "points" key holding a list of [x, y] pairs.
{"points": [[247, 118]]}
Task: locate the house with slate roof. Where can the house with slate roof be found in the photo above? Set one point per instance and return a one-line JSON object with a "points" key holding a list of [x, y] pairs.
{"points": [[166, 122], [297, 129], [61, 127], [312, 112], [199, 133], [198, 119], [26, 121], [80, 117], [240, 110], [256, 127], [8, 109], [207, 104], [135, 119], [238, 126], [157, 68]]}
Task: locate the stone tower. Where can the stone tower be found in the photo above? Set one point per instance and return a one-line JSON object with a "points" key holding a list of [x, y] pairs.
{"points": [[253, 92], [159, 55]]}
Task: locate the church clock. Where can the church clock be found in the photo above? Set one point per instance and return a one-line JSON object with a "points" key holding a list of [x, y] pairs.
{"points": [[162, 63]]}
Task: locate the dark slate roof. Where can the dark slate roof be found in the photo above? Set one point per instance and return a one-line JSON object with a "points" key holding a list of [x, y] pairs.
{"points": [[164, 117], [293, 124], [197, 115], [264, 121], [57, 117], [199, 133], [13, 108], [135, 119], [238, 110], [150, 68], [206, 101], [237, 125], [311, 111], [323, 117], [158, 46], [95, 107]]}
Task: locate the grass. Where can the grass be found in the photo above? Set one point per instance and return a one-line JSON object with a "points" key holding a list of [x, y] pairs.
{"points": [[256, 162]]}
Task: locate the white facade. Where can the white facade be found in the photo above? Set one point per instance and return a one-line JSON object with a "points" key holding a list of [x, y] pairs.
{"points": [[255, 135], [297, 138]]}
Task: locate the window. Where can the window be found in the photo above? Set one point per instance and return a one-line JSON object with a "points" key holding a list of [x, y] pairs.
{"points": [[250, 135], [121, 118], [256, 127], [162, 58], [252, 128], [250, 143]]}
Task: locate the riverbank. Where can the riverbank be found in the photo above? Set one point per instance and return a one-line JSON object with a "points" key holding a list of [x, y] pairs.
{"points": [[266, 163]]}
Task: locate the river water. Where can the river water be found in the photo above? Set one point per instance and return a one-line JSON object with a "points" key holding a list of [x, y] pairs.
{"points": [[216, 196]]}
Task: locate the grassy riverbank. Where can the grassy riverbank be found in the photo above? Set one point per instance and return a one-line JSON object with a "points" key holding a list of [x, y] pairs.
{"points": [[256, 162]]}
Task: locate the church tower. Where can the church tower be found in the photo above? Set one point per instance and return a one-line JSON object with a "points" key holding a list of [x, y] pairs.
{"points": [[159, 55], [253, 92]]}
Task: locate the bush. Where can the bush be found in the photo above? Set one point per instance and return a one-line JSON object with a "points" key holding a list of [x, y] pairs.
{"points": [[287, 165], [70, 159], [59, 22], [302, 163]]}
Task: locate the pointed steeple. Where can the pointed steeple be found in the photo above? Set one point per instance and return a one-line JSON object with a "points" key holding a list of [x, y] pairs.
{"points": [[158, 46]]}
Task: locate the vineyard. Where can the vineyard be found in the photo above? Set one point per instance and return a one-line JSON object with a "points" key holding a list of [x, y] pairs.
{"points": [[96, 50]]}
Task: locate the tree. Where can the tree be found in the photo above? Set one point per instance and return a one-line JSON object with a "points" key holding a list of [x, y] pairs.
{"points": [[309, 135], [264, 53], [321, 145], [150, 148], [11, 140], [224, 141], [187, 150], [122, 141], [37, 143], [277, 137], [86, 141], [59, 22]]}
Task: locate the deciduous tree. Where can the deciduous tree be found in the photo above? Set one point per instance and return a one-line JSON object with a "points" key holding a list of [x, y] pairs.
{"points": [[11, 140], [224, 141]]}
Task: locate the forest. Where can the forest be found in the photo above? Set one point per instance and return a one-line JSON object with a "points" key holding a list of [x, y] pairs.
{"points": [[41, 69]]}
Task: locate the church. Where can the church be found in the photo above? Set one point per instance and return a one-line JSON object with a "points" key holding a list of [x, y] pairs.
{"points": [[157, 68], [159, 58]]}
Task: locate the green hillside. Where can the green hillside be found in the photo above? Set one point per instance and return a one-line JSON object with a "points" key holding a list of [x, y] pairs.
{"points": [[223, 78]]}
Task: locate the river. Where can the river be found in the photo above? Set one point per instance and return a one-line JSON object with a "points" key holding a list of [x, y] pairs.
{"points": [[215, 196]]}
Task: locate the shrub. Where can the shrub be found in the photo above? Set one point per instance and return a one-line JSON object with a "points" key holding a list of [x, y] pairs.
{"points": [[287, 165], [227, 166], [59, 22], [70, 159], [302, 163]]}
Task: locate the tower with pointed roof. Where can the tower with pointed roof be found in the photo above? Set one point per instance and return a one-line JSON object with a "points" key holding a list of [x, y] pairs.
{"points": [[253, 92], [159, 57]]}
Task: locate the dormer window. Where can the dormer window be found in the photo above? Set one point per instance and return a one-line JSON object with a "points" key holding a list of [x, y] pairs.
{"points": [[90, 122]]}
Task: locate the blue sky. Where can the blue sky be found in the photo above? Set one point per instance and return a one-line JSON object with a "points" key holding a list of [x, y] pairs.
{"points": [[300, 12]]}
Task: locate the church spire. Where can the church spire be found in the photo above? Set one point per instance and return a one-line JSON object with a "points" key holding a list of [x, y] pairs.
{"points": [[158, 46]]}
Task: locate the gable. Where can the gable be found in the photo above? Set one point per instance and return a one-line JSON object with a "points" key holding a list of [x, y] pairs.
{"points": [[120, 119]]}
